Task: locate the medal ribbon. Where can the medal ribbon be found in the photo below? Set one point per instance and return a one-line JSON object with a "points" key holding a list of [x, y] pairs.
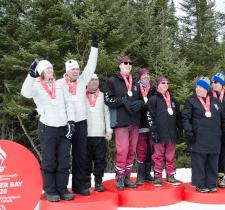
{"points": [[72, 86], [221, 94], [128, 81], [92, 101], [51, 93], [166, 96], [206, 104], [144, 91]]}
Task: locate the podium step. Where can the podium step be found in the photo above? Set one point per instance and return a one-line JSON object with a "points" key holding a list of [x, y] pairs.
{"points": [[97, 200], [191, 195], [147, 195]]}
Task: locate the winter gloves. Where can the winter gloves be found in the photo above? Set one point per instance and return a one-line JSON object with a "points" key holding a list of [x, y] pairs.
{"points": [[190, 137], [70, 129], [94, 40], [135, 106], [32, 69]]}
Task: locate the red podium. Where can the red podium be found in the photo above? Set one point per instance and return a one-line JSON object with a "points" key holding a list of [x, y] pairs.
{"points": [[147, 195], [97, 200], [191, 195]]}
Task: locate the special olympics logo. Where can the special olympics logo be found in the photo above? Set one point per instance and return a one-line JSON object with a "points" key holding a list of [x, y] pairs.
{"points": [[2, 207], [2, 167]]}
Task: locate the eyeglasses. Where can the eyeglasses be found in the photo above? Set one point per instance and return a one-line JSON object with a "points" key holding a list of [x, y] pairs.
{"points": [[215, 82], [126, 63], [164, 83]]}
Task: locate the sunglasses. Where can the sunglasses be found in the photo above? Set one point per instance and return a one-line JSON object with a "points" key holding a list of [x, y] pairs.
{"points": [[126, 63], [215, 82], [164, 83]]}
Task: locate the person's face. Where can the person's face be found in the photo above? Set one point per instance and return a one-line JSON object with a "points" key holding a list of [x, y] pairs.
{"points": [[201, 91], [163, 86], [93, 85], [216, 86], [145, 76], [126, 67], [48, 73], [73, 73]]}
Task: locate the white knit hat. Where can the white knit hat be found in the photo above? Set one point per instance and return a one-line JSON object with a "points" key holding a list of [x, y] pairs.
{"points": [[42, 65], [70, 64], [94, 76]]}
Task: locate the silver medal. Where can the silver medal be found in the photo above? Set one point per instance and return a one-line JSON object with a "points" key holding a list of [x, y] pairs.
{"points": [[129, 93], [145, 99], [170, 111], [92, 109], [208, 114]]}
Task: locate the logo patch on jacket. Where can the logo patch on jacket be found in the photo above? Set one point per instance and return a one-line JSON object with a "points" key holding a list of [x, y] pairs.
{"points": [[173, 104], [216, 107]]}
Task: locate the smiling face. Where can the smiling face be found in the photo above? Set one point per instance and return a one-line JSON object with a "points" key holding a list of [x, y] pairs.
{"points": [[48, 73], [93, 85], [200, 91], [163, 86], [73, 73], [145, 76], [126, 67], [216, 86]]}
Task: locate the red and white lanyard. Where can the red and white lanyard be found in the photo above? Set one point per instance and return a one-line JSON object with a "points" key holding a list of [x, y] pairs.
{"points": [[206, 104], [72, 86], [144, 91], [128, 81], [221, 94], [92, 101], [51, 93], [166, 96]]}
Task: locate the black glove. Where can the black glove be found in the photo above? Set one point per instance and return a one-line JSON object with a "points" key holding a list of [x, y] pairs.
{"points": [[190, 137], [70, 129], [154, 137], [31, 116], [32, 69], [136, 105], [94, 40]]}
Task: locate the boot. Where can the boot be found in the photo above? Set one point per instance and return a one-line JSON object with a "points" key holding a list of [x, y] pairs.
{"points": [[140, 174], [128, 183], [98, 185], [148, 176], [66, 195], [52, 197], [220, 180], [120, 183], [157, 181], [170, 179]]}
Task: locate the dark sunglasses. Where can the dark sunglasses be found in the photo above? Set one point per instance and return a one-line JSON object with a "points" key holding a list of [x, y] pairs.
{"points": [[126, 63], [215, 82], [164, 83]]}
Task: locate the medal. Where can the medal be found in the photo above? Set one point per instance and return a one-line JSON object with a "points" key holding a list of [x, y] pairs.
{"points": [[170, 111], [129, 93], [208, 114], [54, 101], [92, 109], [51, 93], [145, 99], [72, 86]]}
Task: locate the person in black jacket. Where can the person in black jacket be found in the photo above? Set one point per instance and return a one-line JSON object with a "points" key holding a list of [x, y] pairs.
{"points": [[145, 89], [164, 121], [122, 99], [217, 82], [203, 118]]}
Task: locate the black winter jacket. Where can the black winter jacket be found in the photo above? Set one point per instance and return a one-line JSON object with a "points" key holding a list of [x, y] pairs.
{"points": [[206, 131], [119, 102], [168, 127]]}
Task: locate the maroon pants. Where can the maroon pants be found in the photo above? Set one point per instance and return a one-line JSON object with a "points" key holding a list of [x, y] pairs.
{"points": [[126, 142], [164, 151], [142, 144]]}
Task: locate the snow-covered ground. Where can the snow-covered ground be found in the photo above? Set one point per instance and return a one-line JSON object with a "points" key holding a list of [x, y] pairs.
{"points": [[183, 175]]}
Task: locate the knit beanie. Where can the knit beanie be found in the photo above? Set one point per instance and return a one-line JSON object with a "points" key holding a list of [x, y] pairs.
{"points": [[203, 82], [123, 59], [219, 77], [42, 65], [70, 64], [161, 79], [142, 71]]}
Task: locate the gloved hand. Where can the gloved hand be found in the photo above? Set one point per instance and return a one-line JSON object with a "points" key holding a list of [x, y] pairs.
{"points": [[70, 129], [136, 105], [124, 100], [32, 69], [31, 116], [190, 137], [154, 136], [94, 40]]}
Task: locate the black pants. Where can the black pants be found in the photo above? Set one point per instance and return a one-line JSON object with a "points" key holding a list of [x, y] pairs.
{"points": [[204, 169], [96, 158], [79, 154], [221, 162], [55, 152]]}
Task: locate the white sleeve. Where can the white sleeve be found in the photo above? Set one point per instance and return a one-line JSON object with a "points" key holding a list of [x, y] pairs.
{"points": [[107, 119], [28, 89], [91, 66]]}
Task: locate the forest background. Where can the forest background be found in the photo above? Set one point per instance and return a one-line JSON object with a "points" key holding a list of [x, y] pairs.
{"points": [[182, 48]]}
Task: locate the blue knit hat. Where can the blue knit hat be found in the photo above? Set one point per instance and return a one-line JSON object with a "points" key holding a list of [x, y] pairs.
{"points": [[219, 77], [203, 82]]}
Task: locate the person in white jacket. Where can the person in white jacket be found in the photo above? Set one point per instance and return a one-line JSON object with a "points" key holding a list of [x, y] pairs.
{"points": [[99, 131], [56, 126], [75, 84]]}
